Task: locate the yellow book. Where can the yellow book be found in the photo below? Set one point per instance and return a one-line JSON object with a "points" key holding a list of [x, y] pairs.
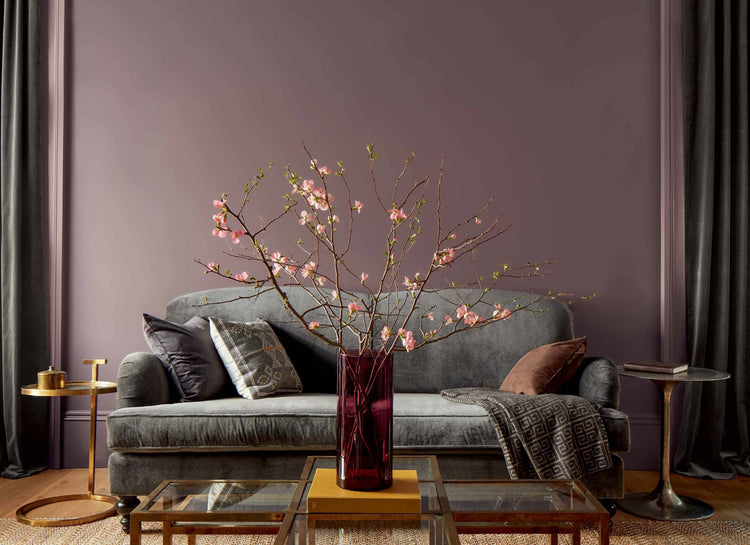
{"points": [[325, 496]]}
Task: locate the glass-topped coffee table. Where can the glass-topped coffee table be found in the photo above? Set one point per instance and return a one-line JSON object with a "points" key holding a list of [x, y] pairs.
{"points": [[449, 508]]}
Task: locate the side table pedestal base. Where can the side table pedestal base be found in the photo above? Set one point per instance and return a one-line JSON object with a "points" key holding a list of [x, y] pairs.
{"points": [[656, 505]]}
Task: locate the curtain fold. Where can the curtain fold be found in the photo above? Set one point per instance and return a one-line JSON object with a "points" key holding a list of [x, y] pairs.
{"points": [[714, 438], [23, 316]]}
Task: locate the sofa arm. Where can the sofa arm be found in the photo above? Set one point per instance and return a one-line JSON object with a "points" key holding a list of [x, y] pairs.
{"points": [[596, 380], [141, 380]]}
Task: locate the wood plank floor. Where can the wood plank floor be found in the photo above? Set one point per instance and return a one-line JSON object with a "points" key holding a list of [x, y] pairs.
{"points": [[731, 499]]}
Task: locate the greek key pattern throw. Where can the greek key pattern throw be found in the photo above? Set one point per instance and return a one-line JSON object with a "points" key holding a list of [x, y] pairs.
{"points": [[545, 436]]}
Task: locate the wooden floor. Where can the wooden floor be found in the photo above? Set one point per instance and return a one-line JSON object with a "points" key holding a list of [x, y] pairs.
{"points": [[731, 499]]}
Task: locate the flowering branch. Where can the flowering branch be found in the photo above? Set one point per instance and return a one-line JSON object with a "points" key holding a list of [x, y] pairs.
{"points": [[321, 271]]}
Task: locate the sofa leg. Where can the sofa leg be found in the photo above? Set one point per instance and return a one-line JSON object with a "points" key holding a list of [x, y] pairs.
{"points": [[125, 504]]}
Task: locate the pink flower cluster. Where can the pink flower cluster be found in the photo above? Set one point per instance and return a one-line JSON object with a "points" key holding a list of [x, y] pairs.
{"points": [[413, 285], [317, 197], [398, 215], [443, 257], [281, 262], [407, 339], [222, 229]]}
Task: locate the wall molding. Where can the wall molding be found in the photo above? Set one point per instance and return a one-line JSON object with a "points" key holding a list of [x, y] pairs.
{"points": [[672, 308], [81, 415], [56, 66]]}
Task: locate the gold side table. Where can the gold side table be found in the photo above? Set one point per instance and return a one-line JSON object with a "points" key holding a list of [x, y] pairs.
{"points": [[663, 503], [93, 388]]}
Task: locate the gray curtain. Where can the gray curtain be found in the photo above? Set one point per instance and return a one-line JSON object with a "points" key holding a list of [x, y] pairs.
{"points": [[23, 320], [714, 435]]}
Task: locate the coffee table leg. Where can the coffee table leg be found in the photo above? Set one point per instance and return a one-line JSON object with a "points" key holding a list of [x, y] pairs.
{"points": [[166, 533], [604, 532], [553, 538], [135, 532]]}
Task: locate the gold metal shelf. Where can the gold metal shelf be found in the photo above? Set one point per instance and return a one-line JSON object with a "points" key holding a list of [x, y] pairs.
{"points": [[93, 388]]}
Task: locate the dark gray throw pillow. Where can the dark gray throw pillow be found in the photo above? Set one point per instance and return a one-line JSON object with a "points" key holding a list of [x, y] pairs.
{"points": [[255, 359], [188, 354]]}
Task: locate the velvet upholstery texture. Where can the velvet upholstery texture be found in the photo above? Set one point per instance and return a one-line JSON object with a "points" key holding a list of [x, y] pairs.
{"points": [[545, 369], [152, 437], [308, 421], [187, 352]]}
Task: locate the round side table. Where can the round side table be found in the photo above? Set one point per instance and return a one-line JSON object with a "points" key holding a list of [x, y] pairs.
{"points": [[93, 388], [662, 503]]}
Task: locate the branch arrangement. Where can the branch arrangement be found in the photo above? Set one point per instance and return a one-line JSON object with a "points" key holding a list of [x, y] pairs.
{"points": [[318, 265]]}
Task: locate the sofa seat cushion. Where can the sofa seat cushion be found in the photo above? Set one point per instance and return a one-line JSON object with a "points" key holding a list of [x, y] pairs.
{"points": [[297, 421]]}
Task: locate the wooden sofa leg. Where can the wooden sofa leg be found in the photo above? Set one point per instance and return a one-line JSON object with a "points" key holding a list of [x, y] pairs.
{"points": [[125, 504]]}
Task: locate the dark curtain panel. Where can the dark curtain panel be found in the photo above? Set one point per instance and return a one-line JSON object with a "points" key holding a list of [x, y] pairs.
{"points": [[714, 435], [25, 425]]}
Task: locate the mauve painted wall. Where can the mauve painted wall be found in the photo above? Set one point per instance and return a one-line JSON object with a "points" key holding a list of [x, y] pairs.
{"points": [[551, 106]]}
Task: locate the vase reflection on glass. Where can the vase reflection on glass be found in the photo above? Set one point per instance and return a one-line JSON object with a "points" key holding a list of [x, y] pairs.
{"points": [[364, 430]]}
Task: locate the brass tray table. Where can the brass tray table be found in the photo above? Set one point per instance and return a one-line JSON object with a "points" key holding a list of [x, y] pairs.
{"points": [[93, 388]]}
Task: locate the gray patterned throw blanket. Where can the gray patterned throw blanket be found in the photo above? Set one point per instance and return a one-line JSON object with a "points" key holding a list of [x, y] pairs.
{"points": [[545, 436]]}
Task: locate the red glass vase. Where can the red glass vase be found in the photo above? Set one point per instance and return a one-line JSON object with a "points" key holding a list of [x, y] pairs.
{"points": [[364, 431]]}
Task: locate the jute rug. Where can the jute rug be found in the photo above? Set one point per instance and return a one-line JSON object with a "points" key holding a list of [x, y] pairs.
{"points": [[108, 532]]}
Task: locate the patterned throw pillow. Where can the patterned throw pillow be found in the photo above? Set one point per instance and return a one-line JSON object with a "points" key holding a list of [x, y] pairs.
{"points": [[257, 363]]}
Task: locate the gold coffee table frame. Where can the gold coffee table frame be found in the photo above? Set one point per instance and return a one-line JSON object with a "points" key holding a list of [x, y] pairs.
{"points": [[93, 388]]}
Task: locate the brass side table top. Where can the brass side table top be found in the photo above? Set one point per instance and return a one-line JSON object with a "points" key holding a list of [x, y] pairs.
{"points": [[92, 388], [663, 503]]}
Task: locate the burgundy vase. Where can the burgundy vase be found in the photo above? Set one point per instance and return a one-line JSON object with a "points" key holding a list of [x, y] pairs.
{"points": [[364, 431]]}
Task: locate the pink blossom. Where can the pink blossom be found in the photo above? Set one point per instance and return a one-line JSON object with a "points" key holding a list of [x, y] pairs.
{"points": [[313, 325], [320, 228], [213, 266], [218, 218], [500, 313], [334, 294], [363, 277], [321, 280], [276, 257], [215, 232], [223, 233], [448, 320], [471, 318], [353, 307], [358, 206], [430, 316], [408, 341], [397, 215], [308, 268], [307, 185], [477, 220], [276, 269], [452, 236], [443, 257], [460, 311], [304, 217], [401, 332], [236, 236], [291, 269], [219, 203], [325, 171], [412, 285], [385, 333], [333, 219], [241, 276]]}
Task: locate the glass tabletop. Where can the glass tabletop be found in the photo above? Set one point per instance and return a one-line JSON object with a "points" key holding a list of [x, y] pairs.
{"points": [[222, 496], [519, 496]]}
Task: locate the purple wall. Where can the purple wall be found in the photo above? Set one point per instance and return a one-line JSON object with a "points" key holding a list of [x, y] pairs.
{"points": [[552, 107]]}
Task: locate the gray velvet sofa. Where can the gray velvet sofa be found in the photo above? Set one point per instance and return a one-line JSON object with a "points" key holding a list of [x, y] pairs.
{"points": [[151, 437]]}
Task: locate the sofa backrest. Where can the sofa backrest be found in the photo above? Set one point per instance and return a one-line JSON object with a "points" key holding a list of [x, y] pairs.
{"points": [[481, 357], [314, 360]]}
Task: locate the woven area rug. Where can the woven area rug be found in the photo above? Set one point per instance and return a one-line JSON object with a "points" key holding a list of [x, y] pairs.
{"points": [[108, 532]]}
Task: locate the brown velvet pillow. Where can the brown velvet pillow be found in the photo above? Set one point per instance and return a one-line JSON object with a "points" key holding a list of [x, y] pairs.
{"points": [[544, 370]]}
